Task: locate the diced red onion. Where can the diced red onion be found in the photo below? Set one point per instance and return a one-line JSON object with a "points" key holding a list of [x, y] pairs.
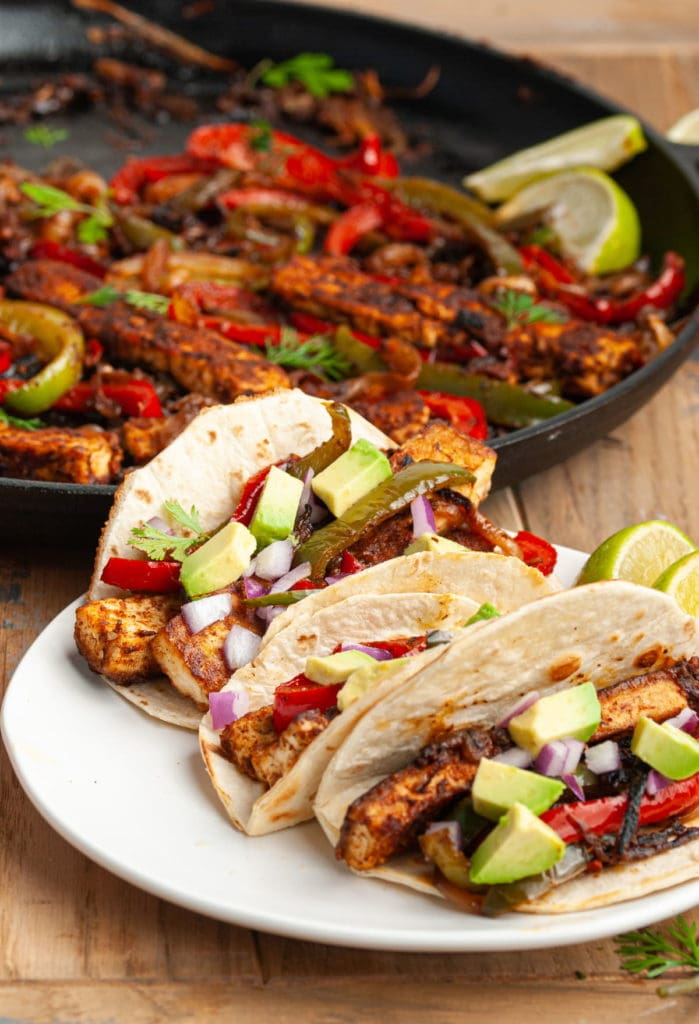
{"points": [[373, 652], [603, 757], [306, 493], [520, 707], [656, 782], [275, 560], [158, 523], [200, 614], [453, 828], [573, 784], [337, 578], [687, 721], [287, 581], [559, 757], [319, 511], [515, 756], [253, 588], [240, 646], [423, 516], [228, 706]]}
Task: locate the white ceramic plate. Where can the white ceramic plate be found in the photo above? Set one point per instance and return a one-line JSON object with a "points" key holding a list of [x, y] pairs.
{"points": [[132, 794]]}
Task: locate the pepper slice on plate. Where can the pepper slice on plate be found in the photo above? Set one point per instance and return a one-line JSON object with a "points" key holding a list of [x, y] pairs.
{"points": [[300, 694], [537, 552], [139, 574]]}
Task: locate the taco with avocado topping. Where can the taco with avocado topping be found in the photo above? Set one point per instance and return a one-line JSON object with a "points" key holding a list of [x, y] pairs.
{"points": [[546, 762], [256, 508]]}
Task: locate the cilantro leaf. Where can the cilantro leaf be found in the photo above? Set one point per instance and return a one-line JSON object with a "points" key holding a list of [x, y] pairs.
{"points": [[17, 421], [261, 137], [106, 295], [50, 201], [315, 71], [158, 544], [188, 519], [317, 353], [91, 230], [43, 135], [519, 309], [652, 951]]}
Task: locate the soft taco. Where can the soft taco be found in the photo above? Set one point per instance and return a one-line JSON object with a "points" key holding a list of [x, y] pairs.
{"points": [[273, 728], [545, 762], [286, 495]]}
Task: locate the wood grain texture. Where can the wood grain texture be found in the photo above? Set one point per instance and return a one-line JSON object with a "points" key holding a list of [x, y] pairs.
{"points": [[78, 945]]}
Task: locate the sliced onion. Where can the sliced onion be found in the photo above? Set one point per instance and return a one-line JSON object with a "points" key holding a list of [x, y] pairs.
{"points": [[200, 614], [603, 757], [656, 782], [453, 828], [573, 784], [515, 756], [559, 757], [275, 560], [253, 588], [287, 581], [269, 612], [240, 646], [687, 721], [228, 706], [423, 516], [158, 523], [520, 707], [319, 511], [373, 652]]}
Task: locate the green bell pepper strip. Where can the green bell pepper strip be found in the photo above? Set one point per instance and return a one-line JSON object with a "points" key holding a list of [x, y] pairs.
{"points": [[507, 405], [59, 342], [475, 218], [143, 233], [385, 500], [325, 453], [284, 597], [363, 357]]}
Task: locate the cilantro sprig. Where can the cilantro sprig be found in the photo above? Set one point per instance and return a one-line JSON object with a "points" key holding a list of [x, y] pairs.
{"points": [[50, 201], [18, 421], [108, 294], [43, 135], [519, 309], [317, 353], [652, 951], [158, 544], [315, 71]]}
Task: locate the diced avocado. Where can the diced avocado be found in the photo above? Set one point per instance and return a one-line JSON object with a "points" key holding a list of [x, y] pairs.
{"points": [[365, 679], [498, 786], [433, 542], [486, 611], [568, 714], [223, 559], [335, 668], [520, 845], [277, 506], [666, 748], [349, 478]]}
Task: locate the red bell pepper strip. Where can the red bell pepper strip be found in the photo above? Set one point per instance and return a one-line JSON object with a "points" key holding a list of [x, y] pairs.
{"points": [[535, 256], [349, 564], [273, 197], [465, 414], [371, 158], [537, 552], [94, 350], [350, 226], [9, 385], [48, 250], [308, 585], [134, 397], [139, 171], [137, 574], [248, 499], [400, 647], [244, 334], [606, 815], [5, 356], [307, 324], [301, 694]]}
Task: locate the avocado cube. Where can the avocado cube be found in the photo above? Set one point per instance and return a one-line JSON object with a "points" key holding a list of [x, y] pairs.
{"points": [[277, 506], [335, 668], [669, 750], [433, 542], [222, 560], [568, 714], [520, 845], [498, 786], [365, 679], [346, 480]]}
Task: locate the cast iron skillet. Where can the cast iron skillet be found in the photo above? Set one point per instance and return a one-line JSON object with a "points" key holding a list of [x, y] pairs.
{"points": [[485, 106]]}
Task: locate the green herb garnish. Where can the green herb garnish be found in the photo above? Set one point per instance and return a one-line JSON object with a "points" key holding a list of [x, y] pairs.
{"points": [[17, 421], [317, 353], [653, 951], [106, 295], [261, 136], [158, 544], [519, 309], [315, 71], [51, 201], [42, 135]]}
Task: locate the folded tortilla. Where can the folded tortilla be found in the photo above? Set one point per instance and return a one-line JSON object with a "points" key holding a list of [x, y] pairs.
{"points": [[604, 633], [400, 598]]}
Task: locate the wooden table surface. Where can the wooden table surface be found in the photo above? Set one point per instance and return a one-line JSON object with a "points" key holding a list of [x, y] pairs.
{"points": [[79, 945]]}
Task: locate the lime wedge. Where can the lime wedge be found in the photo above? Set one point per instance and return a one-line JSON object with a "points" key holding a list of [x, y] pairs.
{"points": [[639, 553], [605, 144], [681, 580], [686, 130], [595, 221]]}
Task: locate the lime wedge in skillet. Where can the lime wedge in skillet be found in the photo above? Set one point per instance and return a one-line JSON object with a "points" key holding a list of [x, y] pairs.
{"points": [[639, 553], [605, 144], [595, 221]]}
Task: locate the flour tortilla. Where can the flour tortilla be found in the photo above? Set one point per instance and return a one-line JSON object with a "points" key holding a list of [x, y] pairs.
{"points": [[604, 632], [403, 597]]}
